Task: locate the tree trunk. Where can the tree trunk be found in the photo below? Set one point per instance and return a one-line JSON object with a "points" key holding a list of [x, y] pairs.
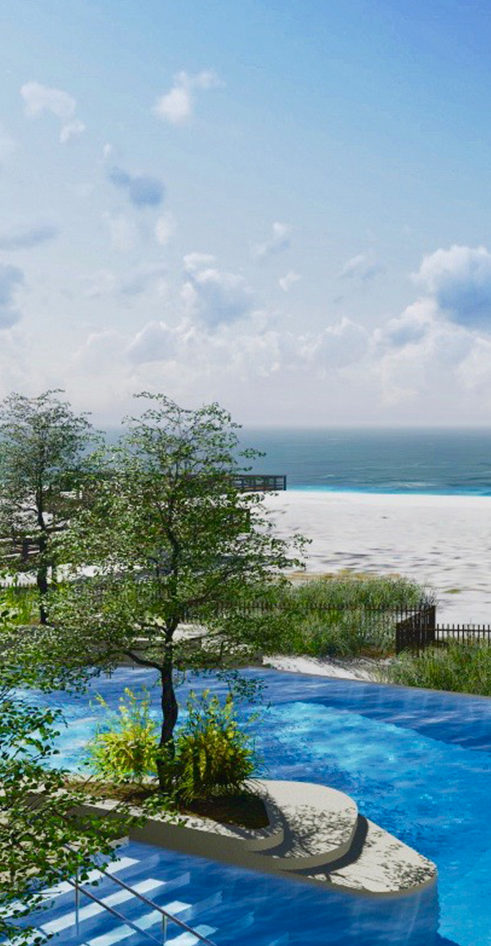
{"points": [[42, 580], [169, 714]]}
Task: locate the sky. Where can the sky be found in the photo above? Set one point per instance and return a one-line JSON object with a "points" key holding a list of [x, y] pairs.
{"points": [[281, 205]]}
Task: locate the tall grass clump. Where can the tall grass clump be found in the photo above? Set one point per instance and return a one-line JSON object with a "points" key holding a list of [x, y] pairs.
{"points": [[459, 667], [23, 601], [346, 616]]}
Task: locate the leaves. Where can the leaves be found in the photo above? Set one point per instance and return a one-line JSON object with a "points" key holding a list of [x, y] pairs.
{"points": [[124, 749]]}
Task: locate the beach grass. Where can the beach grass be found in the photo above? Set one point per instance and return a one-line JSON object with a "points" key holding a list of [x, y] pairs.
{"points": [[346, 615], [456, 666]]}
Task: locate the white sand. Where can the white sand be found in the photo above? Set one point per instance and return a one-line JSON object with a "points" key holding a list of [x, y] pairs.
{"points": [[441, 541]]}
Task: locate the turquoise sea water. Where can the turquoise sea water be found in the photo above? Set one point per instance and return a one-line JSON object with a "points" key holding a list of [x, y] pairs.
{"points": [[417, 762], [385, 461]]}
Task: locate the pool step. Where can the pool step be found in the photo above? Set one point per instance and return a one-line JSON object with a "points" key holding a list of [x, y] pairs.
{"points": [[317, 828]]}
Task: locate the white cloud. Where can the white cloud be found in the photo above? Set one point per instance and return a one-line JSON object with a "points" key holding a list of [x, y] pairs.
{"points": [[41, 98], [459, 281], [363, 266], [155, 342], [214, 296], [195, 261], [279, 241], [288, 280], [11, 277], [71, 130], [164, 228], [176, 106], [410, 327]]}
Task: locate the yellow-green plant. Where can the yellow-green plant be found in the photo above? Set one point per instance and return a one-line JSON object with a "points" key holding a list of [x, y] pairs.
{"points": [[213, 755], [124, 749]]}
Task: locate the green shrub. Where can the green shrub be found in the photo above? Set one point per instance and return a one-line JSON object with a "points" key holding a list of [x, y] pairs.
{"points": [[23, 603], [464, 668], [213, 755], [124, 750], [344, 616]]}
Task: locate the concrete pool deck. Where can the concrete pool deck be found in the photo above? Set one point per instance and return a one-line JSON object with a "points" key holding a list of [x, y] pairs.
{"points": [[315, 835]]}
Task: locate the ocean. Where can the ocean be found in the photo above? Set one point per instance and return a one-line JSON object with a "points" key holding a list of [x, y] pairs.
{"points": [[377, 461]]}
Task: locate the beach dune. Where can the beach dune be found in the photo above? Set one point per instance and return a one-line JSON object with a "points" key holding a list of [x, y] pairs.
{"points": [[443, 542]]}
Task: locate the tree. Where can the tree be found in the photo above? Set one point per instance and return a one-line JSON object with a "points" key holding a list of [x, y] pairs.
{"points": [[41, 843], [42, 444], [168, 536]]}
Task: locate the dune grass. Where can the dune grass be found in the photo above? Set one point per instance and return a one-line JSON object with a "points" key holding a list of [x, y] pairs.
{"points": [[346, 615], [459, 667]]}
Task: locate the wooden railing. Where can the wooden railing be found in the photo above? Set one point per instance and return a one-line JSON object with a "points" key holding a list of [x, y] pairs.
{"points": [[259, 482]]}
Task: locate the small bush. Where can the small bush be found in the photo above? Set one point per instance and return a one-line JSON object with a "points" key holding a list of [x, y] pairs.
{"points": [[345, 616], [463, 668], [125, 749], [213, 755]]}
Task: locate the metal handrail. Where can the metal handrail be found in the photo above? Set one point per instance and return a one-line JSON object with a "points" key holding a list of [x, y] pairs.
{"points": [[116, 913], [150, 903]]}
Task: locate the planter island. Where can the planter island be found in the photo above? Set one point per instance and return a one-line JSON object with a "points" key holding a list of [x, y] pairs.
{"points": [[315, 834]]}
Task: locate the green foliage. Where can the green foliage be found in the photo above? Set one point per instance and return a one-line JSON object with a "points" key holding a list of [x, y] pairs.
{"points": [[41, 842], [42, 448], [124, 749], [464, 668], [166, 533], [344, 616], [212, 754], [23, 602]]}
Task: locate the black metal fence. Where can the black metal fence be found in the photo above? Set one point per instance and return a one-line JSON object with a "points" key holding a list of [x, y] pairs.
{"points": [[420, 630], [417, 630]]}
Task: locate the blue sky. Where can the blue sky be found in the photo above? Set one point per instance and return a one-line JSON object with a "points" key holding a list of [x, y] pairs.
{"points": [[280, 205]]}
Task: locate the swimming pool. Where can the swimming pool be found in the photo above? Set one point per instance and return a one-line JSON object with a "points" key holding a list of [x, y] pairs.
{"points": [[417, 762]]}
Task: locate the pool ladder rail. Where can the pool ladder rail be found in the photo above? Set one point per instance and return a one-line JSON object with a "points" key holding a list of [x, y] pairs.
{"points": [[167, 917]]}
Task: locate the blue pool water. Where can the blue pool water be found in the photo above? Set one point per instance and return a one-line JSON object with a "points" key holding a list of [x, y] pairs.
{"points": [[417, 762]]}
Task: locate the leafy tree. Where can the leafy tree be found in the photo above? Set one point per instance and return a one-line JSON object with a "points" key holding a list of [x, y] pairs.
{"points": [[42, 447], [41, 843], [168, 537]]}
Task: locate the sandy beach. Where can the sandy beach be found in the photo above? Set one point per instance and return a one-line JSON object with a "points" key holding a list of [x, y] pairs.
{"points": [[441, 541]]}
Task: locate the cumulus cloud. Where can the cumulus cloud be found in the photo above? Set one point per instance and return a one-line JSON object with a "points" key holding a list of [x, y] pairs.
{"points": [[288, 280], [40, 99], [211, 295], [363, 266], [339, 344], [10, 279], [142, 190], [409, 328], [71, 130], [459, 280], [155, 342], [24, 238], [278, 241], [176, 105]]}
